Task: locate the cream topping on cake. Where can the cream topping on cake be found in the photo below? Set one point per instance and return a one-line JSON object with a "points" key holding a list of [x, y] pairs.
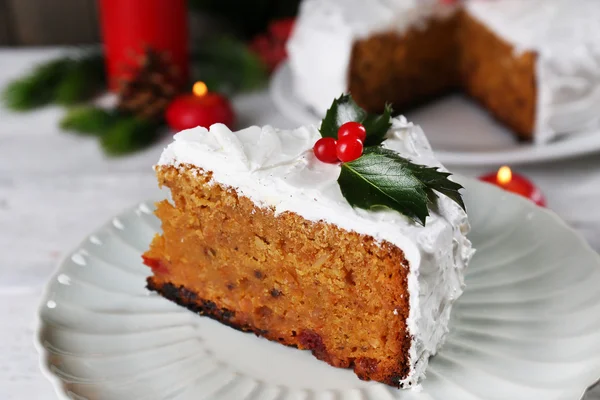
{"points": [[565, 35], [277, 169]]}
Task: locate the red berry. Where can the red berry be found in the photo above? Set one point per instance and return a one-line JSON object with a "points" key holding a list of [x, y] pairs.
{"points": [[349, 148], [355, 129], [281, 29], [325, 150]]}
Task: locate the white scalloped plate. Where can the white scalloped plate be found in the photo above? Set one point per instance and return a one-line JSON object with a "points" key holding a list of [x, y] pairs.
{"points": [[527, 327], [460, 132]]}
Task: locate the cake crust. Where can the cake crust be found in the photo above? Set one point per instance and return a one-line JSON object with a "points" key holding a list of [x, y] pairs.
{"points": [[304, 284]]}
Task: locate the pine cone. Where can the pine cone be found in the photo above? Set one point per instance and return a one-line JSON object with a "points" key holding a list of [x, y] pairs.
{"points": [[151, 87]]}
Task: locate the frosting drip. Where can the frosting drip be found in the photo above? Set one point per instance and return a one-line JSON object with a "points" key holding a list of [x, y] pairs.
{"points": [[277, 169], [565, 36]]}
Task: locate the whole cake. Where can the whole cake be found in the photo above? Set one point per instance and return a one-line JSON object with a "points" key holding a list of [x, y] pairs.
{"points": [[533, 64], [261, 235]]}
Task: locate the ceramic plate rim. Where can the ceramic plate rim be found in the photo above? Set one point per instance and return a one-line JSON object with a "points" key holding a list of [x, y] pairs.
{"points": [[293, 108]]}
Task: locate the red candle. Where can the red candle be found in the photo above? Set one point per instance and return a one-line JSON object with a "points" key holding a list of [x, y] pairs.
{"points": [[201, 108], [131, 26], [515, 183]]}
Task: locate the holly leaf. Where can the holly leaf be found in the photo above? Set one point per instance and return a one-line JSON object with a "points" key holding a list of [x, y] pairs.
{"points": [[343, 110], [381, 178], [377, 126], [438, 180]]}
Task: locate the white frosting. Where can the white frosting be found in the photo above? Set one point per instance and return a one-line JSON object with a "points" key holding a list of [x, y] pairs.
{"points": [[277, 169], [565, 36]]}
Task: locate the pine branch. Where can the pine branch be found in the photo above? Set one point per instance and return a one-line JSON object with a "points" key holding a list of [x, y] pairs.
{"points": [[129, 134], [65, 80], [37, 88], [87, 120], [83, 78]]}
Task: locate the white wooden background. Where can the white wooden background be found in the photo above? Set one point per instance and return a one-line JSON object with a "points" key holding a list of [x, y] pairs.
{"points": [[55, 188]]}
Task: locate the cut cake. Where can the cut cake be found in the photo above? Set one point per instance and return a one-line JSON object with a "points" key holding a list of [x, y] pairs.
{"points": [[533, 64], [259, 237]]}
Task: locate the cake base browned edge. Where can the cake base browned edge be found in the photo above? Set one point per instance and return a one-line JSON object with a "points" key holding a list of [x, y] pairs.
{"points": [[190, 300]]}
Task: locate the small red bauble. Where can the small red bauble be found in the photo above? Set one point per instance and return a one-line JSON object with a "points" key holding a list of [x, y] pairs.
{"points": [[325, 150], [355, 129], [349, 148]]}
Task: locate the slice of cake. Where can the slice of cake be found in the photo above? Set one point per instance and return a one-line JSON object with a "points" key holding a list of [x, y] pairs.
{"points": [[533, 64], [261, 236]]}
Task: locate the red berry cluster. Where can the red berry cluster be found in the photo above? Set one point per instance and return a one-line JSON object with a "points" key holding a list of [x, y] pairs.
{"points": [[348, 147], [270, 46]]}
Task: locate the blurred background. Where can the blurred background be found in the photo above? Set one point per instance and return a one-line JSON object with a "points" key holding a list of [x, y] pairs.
{"points": [[76, 22]]}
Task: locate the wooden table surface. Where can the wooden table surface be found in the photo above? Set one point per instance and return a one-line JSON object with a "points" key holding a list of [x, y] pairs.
{"points": [[56, 187]]}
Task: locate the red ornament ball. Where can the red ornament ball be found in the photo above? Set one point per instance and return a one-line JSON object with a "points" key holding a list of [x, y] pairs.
{"points": [[354, 129], [349, 148], [325, 150], [190, 111]]}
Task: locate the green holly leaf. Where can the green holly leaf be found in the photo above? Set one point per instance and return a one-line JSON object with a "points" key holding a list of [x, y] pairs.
{"points": [[343, 110], [377, 126], [438, 181], [381, 178]]}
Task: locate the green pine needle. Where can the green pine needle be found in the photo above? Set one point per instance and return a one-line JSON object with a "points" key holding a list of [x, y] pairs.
{"points": [[20, 95], [35, 89], [119, 134], [87, 120], [129, 134], [82, 79], [65, 80]]}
